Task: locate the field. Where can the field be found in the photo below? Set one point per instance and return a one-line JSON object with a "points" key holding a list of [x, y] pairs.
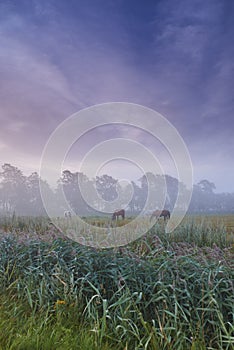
{"points": [[162, 291]]}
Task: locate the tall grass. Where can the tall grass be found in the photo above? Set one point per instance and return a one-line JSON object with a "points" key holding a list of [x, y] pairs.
{"points": [[146, 296], [45, 328], [200, 230]]}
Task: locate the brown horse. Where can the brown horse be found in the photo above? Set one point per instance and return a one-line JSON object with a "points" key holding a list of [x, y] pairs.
{"points": [[161, 213], [118, 213]]}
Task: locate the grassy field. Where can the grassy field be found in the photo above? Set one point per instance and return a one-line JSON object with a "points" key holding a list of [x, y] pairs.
{"points": [[162, 291]]}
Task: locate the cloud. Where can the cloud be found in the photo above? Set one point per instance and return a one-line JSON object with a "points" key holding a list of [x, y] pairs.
{"points": [[175, 57]]}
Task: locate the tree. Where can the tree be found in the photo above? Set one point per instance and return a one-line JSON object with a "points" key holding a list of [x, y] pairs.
{"points": [[155, 189], [203, 197], [106, 187], [13, 190], [137, 202], [207, 186], [70, 183], [172, 190], [36, 206]]}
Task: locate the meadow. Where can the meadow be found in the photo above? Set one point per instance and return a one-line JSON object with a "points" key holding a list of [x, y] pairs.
{"points": [[162, 291]]}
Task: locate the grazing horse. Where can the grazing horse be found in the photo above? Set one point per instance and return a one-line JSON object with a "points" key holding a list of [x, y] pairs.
{"points": [[67, 214], [161, 213], [118, 213]]}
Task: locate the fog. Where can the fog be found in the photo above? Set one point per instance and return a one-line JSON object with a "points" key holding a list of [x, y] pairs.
{"points": [[21, 194]]}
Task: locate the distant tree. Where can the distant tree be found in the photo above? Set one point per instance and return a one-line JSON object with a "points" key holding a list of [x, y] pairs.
{"points": [[203, 197], [106, 187], [172, 191], [150, 189], [87, 195], [224, 202], [159, 189], [22, 194], [70, 183], [125, 193], [14, 195], [207, 186], [36, 206], [137, 202], [196, 204]]}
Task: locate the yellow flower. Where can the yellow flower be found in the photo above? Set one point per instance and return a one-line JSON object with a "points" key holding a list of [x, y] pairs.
{"points": [[59, 302]]}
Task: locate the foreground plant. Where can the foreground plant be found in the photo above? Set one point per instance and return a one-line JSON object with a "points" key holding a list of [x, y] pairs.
{"points": [[146, 296]]}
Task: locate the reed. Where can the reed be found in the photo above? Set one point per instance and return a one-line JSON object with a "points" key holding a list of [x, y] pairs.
{"points": [[159, 292]]}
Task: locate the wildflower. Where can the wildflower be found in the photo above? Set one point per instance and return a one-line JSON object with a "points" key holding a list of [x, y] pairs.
{"points": [[59, 302]]}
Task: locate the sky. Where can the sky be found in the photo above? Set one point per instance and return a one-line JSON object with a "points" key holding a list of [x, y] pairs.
{"points": [[175, 57]]}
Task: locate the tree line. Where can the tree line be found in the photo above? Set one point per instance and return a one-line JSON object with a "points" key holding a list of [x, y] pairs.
{"points": [[20, 194]]}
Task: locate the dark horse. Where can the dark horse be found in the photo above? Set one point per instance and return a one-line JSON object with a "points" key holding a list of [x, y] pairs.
{"points": [[161, 213], [118, 213]]}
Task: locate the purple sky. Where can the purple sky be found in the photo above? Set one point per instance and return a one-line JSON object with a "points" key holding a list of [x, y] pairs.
{"points": [[177, 57]]}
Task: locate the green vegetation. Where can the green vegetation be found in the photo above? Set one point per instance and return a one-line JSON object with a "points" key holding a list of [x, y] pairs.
{"points": [[171, 291]]}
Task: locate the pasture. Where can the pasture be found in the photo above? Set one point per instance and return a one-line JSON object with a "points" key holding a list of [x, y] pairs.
{"points": [[161, 291]]}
